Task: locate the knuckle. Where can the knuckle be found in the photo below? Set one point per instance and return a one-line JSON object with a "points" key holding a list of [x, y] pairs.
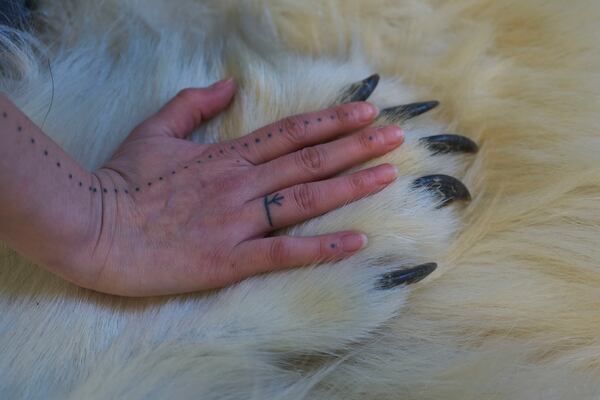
{"points": [[305, 198], [310, 159], [367, 139], [324, 250], [346, 114], [278, 252], [359, 180], [187, 95], [294, 128]]}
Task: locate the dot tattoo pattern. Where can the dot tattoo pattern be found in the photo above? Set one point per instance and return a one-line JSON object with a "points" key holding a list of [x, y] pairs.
{"points": [[276, 199]]}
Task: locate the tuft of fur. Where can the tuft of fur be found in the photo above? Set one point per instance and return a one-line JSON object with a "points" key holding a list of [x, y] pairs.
{"points": [[512, 311]]}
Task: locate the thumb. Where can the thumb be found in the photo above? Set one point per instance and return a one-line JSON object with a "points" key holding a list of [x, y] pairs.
{"points": [[190, 107]]}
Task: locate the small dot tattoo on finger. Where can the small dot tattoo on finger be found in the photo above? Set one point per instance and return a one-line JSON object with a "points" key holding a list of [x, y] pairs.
{"points": [[332, 245]]}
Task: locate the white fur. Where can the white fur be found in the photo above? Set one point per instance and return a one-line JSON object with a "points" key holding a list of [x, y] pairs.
{"points": [[511, 312]]}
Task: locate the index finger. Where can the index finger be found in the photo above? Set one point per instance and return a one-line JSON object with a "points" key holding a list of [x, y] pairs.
{"points": [[298, 131]]}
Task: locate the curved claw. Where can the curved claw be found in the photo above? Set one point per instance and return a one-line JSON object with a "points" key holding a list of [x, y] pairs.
{"points": [[362, 90], [447, 188], [405, 112], [405, 276], [448, 143]]}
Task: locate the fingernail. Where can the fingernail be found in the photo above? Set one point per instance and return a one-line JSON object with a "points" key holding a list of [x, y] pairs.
{"points": [[386, 173], [392, 134], [222, 83], [354, 241], [367, 112]]}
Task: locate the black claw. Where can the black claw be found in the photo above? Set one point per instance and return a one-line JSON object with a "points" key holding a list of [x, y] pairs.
{"points": [[405, 276], [447, 188], [405, 112], [448, 143], [362, 90]]}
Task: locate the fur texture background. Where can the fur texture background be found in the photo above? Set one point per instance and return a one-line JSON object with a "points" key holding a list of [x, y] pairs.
{"points": [[513, 310]]}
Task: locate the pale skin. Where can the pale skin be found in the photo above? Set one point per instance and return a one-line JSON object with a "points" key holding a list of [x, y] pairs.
{"points": [[165, 215]]}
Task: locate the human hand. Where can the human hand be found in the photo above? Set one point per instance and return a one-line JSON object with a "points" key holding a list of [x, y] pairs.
{"points": [[178, 216]]}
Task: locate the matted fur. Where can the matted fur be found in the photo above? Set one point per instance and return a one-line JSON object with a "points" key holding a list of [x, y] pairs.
{"points": [[514, 308]]}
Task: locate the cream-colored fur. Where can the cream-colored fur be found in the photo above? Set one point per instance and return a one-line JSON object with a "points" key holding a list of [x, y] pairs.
{"points": [[513, 310]]}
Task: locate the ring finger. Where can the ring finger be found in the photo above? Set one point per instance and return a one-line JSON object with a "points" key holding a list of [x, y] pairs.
{"points": [[307, 200]]}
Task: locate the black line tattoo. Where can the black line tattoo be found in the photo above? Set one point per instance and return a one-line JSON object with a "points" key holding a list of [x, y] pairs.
{"points": [[276, 199]]}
